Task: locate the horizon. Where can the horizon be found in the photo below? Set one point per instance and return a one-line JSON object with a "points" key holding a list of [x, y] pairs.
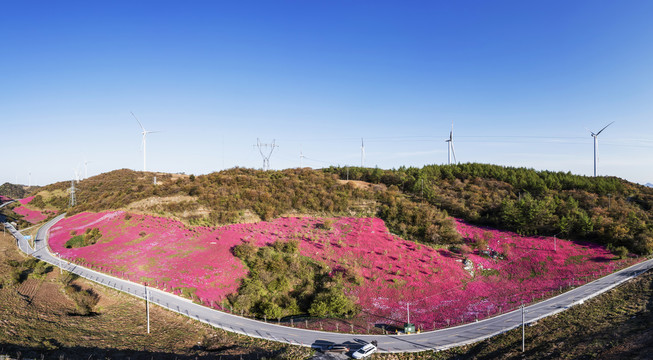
{"points": [[521, 82]]}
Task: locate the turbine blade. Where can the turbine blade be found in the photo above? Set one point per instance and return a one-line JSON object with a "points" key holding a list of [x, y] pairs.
{"points": [[597, 134], [451, 132], [139, 123]]}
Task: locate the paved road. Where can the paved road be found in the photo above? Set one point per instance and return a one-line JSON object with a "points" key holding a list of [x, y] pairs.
{"points": [[433, 340]]}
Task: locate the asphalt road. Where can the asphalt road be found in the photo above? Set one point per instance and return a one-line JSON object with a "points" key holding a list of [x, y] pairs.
{"points": [[432, 340]]}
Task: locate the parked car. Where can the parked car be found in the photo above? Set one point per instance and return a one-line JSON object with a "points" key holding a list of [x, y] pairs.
{"points": [[365, 351], [335, 348]]}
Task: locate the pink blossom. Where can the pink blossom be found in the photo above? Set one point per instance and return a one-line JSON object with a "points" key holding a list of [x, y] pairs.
{"points": [[393, 272]]}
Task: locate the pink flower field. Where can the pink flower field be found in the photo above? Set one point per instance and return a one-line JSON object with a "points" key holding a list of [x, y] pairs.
{"points": [[30, 215], [393, 272]]}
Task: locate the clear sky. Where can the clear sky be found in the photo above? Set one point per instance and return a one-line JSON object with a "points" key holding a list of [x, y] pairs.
{"points": [[520, 80]]}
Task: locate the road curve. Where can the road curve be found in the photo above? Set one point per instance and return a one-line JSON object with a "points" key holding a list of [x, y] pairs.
{"points": [[432, 340]]}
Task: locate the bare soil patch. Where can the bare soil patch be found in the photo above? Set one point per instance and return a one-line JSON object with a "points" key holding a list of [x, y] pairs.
{"points": [[364, 185]]}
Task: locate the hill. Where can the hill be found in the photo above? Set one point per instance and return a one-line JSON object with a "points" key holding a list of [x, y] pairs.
{"points": [[15, 191], [340, 244], [41, 319], [42, 322], [338, 232], [245, 195], [604, 210], [414, 202]]}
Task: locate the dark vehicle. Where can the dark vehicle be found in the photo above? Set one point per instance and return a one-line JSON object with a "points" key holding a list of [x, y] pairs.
{"points": [[335, 348]]}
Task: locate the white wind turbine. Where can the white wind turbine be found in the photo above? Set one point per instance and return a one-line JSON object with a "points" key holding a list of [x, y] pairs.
{"points": [[86, 168], [596, 145], [145, 132], [450, 149]]}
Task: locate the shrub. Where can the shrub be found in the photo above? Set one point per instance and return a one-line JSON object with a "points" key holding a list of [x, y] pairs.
{"points": [[327, 224], [90, 237], [621, 252], [281, 282], [85, 300]]}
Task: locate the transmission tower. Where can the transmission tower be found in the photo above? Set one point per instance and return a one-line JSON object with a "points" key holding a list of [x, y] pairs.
{"points": [[265, 154], [73, 201]]}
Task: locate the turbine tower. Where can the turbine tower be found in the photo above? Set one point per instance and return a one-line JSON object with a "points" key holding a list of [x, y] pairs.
{"points": [[450, 149], [596, 145], [362, 153], [144, 132], [86, 168]]}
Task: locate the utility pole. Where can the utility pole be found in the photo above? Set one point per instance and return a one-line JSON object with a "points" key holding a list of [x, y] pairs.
{"points": [[58, 257], [408, 311], [147, 308], [523, 333]]}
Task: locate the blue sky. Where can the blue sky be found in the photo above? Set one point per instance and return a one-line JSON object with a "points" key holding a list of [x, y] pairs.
{"points": [[521, 80]]}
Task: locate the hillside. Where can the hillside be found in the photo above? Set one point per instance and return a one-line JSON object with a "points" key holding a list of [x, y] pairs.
{"points": [[245, 195], [414, 202], [613, 326], [43, 324], [41, 320], [362, 246], [15, 191], [603, 210]]}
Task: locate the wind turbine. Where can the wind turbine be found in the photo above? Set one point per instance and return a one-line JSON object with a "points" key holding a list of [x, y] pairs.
{"points": [[450, 149], [86, 168], [145, 132], [362, 153], [596, 145], [76, 171]]}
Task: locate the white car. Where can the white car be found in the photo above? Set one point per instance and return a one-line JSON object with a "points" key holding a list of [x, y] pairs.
{"points": [[365, 351]]}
